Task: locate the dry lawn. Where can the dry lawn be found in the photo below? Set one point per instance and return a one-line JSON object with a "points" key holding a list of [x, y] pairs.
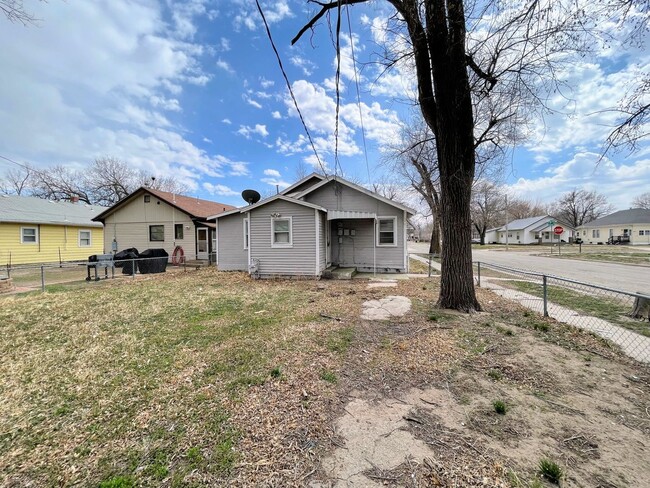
{"points": [[209, 379]]}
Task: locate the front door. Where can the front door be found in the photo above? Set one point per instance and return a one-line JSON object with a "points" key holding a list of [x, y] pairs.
{"points": [[202, 243]]}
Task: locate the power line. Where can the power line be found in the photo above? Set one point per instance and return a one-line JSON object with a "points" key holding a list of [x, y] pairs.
{"points": [[286, 79], [337, 84], [356, 79]]}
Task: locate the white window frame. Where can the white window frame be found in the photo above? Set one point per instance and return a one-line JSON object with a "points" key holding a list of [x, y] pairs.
{"points": [[90, 238], [394, 219], [247, 232], [595, 233], [281, 244], [22, 235]]}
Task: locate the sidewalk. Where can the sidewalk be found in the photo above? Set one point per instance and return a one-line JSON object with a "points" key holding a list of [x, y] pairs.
{"points": [[634, 345]]}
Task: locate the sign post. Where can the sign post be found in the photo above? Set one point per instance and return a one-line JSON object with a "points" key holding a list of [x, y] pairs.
{"points": [[551, 223], [558, 230]]}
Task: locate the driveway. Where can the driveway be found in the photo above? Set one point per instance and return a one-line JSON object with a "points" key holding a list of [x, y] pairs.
{"points": [[618, 276]]}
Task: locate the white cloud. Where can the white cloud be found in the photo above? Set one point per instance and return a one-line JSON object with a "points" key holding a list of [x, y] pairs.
{"points": [[276, 181], [224, 65], [248, 131], [272, 172], [219, 189], [618, 182], [224, 44], [226, 121], [304, 64], [170, 104], [251, 102], [266, 84], [276, 115], [70, 101], [239, 169], [209, 141], [274, 11]]}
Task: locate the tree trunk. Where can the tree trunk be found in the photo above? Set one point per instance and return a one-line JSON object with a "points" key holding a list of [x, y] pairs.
{"points": [[434, 244], [482, 238]]}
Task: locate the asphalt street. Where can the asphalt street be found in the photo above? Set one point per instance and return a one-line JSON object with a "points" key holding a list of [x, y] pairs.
{"points": [[618, 276]]}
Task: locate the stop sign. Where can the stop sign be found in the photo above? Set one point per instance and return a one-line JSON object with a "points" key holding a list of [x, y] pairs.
{"points": [[558, 229]]}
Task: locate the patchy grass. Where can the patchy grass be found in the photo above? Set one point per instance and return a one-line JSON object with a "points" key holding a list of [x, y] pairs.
{"points": [[418, 267], [602, 305], [550, 470], [214, 379], [632, 258]]}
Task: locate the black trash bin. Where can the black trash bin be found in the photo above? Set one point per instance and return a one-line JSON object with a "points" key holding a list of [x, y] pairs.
{"points": [[124, 259], [153, 261]]}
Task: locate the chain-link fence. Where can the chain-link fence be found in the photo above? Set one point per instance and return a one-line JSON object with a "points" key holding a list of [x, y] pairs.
{"points": [[619, 316], [424, 263], [52, 276]]}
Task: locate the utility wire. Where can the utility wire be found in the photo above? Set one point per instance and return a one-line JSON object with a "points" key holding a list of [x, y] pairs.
{"points": [[356, 79], [286, 79], [338, 89]]}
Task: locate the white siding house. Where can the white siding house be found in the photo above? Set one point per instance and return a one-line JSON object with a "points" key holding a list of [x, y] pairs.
{"points": [[314, 224], [533, 230], [630, 226]]}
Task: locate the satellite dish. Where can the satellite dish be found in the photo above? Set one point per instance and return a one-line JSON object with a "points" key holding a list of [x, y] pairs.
{"points": [[251, 196]]}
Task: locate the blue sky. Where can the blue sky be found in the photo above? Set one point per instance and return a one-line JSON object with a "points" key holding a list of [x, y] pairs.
{"points": [[192, 89]]}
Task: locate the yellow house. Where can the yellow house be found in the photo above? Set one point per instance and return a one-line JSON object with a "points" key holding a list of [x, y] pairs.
{"points": [[33, 230]]}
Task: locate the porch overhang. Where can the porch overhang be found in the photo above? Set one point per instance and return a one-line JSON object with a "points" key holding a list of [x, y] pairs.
{"points": [[346, 214]]}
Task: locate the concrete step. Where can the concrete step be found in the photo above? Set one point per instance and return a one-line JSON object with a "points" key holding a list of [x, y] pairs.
{"points": [[336, 273]]}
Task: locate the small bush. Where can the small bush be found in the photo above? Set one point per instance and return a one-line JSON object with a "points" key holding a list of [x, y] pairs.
{"points": [[328, 376], [500, 407], [276, 372], [495, 374], [550, 470], [118, 482]]}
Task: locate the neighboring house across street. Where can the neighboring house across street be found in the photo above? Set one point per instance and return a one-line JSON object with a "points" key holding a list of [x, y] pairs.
{"points": [[317, 224], [149, 219], [630, 226], [533, 230], [34, 230]]}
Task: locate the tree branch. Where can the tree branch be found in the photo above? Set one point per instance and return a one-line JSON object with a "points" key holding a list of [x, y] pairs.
{"points": [[324, 8]]}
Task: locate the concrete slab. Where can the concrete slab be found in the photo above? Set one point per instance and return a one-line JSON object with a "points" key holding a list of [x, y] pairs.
{"points": [[382, 284], [385, 308]]}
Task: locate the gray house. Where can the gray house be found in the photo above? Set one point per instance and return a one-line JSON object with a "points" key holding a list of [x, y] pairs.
{"points": [[316, 224]]}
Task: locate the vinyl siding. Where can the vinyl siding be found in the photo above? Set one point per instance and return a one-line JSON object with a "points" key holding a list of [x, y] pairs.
{"points": [[298, 260], [52, 240], [129, 226], [617, 230], [231, 255], [322, 244], [358, 251]]}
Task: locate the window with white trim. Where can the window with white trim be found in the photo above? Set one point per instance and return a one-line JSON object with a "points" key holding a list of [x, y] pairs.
{"points": [[156, 233], [595, 234], [281, 232], [85, 238], [246, 233], [28, 235], [387, 231]]}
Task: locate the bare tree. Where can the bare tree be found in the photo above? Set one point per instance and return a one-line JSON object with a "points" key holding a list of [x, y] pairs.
{"points": [[513, 48], [521, 208], [488, 205], [642, 201], [15, 11], [415, 161], [579, 207], [17, 181], [107, 181]]}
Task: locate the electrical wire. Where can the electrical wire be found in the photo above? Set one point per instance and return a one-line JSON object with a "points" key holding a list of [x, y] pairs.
{"points": [[337, 84], [286, 79], [356, 79]]}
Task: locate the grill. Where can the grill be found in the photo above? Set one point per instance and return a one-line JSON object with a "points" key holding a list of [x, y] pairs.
{"points": [[99, 261]]}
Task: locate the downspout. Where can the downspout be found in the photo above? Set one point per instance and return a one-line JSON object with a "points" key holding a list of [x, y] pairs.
{"points": [[374, 250]]}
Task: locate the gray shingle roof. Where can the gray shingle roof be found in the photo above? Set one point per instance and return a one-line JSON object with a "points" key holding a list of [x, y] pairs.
{"points": [[521, 224], [31, 210], [622, 217]]}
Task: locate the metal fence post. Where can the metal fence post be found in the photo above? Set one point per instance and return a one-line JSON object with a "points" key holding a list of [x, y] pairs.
{"points": [[478, 263], [429, 265], [545, 295], [42, 278]]}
